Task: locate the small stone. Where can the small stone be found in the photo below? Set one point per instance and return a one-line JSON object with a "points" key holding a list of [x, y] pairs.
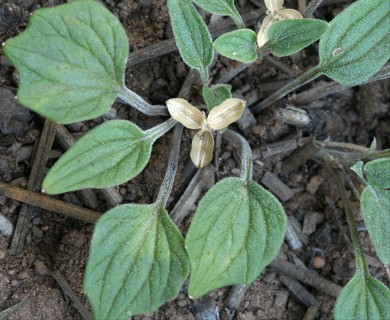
{"points": [[41, 268], [23, 275], [14, 283], [318, 262], [2, 254], [37, 232], [281, 299], [181, 303]]}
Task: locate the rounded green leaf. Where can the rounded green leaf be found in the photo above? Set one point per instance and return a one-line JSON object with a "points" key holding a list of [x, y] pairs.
{"points": [[71, 61], [357, 44], [238, 45], [237, 230], [136, 263], [363, 298], [215, 95], [375, 207], [378, 173], [192, 37], [287, 37], [108, 155]]}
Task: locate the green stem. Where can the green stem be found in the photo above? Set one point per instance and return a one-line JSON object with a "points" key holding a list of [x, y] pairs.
{"points": [[161, 129], [134, 100], [236, 17], [169, 178], [246, 154], [361, 264], [379, 154], [304, 78]]}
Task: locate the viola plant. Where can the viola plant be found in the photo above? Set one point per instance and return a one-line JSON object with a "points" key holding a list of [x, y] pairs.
{"points": [[71, 61]]}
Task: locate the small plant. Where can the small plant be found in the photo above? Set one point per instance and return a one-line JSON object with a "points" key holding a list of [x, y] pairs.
{"points": [[71, 61]]}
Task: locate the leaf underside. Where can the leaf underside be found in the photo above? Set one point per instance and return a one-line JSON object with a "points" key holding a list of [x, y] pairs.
{"points": [[111, 154], [363, 298], [71, 61], [357, 44], [137, 262], [237, 230], [375, 207]]}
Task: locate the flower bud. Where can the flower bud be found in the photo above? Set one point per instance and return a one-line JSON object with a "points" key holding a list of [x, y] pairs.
{"points": [[262, 36], [181, 110], [226, 113], [290, 14], [273, 5], [202, 148]]}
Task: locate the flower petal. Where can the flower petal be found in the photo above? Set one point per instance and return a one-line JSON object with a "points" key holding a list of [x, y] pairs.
{"points": [[181, 110], [202, 148], [226, 113], [262, 36], [290, 14]]}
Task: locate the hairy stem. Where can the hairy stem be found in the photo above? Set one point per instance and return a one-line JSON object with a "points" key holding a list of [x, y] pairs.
{"points": [[237, 19], [134, 100], [361, 264], [311, 7], [167, 185], [161, 129], [246, 154], [304, 78]]}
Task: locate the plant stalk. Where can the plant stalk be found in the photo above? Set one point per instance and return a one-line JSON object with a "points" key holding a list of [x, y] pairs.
{"points": [[236, 17], [173, 161], [361, 264], [304, 78], [161, 129], [134, 100], [246, 155], [311, 7]]}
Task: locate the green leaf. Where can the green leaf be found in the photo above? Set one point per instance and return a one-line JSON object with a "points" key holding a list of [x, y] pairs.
{"points": [[358, 169], [357, 44], [137, 262], [237, 230], [192, 37], [108, 155], [290, 36], [71, 61], [221, 7], [363, 298], [215, 95], [238, 45], [378, 173], [375, 207]]}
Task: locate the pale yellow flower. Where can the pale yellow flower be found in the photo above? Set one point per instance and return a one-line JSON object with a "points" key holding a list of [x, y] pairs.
{"points": [[219, 118]]}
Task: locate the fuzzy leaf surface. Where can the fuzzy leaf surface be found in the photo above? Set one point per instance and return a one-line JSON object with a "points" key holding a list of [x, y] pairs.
{"points": [[363, 298], [357, 44], [238, 45], [375, 207], [378, 173], [71, 61], [108, 155], [215, 95], [221, 7], [192, 37], [287, 37], [137, 262], [237, 230]]}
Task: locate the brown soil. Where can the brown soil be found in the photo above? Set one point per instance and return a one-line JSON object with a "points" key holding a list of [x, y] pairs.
{"points": [[55, 242]]}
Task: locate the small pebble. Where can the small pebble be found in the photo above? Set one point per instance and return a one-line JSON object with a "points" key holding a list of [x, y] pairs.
{"points": [[6, 227], [41, 268], [182, 303], [2, 254], [318, 262]]}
